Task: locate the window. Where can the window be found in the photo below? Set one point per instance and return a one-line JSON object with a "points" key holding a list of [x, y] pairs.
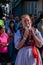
{"points": [[35, 7]]}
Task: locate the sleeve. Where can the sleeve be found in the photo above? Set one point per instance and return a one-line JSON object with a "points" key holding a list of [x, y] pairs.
{"points": [[8, 39], [17, 38], [38, 34], [8, 31]]}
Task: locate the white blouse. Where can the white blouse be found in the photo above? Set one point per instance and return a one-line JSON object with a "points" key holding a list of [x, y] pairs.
{"points": [[17, 37]]}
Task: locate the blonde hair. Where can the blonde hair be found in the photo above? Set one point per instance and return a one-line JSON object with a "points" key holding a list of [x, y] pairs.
{"points": [[25, 15]]}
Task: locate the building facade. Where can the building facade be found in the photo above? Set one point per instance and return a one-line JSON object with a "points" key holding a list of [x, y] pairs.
{"points": [[30, 7]]}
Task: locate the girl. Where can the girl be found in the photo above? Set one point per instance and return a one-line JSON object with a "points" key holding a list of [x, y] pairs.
{"points": [[27, 42]]}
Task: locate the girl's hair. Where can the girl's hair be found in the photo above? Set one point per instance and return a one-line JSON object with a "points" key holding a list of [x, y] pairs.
{"points": [[11, 22], [13, 26], [23, 16]]}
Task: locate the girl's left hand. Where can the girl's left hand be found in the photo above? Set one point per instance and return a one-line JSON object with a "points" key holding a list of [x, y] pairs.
{"points": [[32, 30]]}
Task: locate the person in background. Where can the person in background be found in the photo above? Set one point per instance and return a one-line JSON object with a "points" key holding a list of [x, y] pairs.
{"points": [[34, 18], [4, 42], [38, 20], [27, 43], [40, 28], [17, 23], [7, 24], [11, 30], [4, 20], [11, 17], [8, 21]]}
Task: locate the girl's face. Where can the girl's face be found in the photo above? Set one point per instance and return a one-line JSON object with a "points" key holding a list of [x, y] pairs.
{"points": [[11, 24], [27, 21]]}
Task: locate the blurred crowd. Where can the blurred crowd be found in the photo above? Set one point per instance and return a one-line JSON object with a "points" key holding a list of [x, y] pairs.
{"points": [[12, 24]]}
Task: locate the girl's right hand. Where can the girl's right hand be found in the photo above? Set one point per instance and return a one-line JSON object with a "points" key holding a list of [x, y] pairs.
{"points": [[26, 33]]}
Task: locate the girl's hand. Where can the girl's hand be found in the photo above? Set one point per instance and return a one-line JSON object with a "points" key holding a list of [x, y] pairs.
{"points": [[26, 33], [32, 31], [4, 45]]}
